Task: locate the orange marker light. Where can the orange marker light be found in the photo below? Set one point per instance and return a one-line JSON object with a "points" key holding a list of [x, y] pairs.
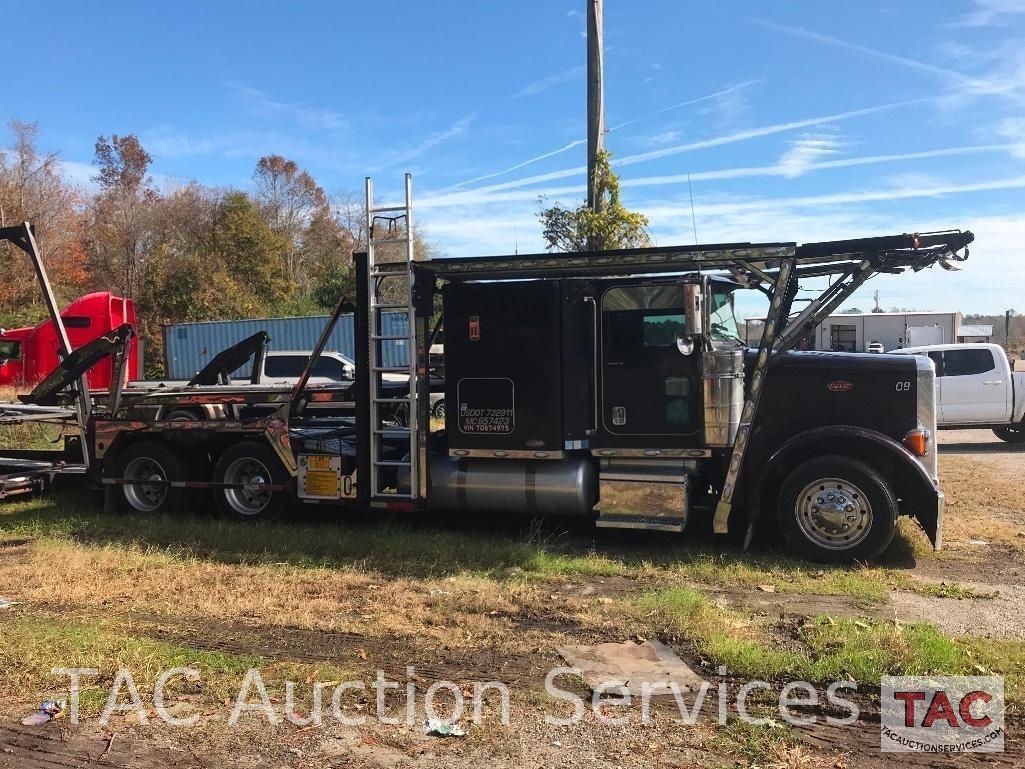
{"points": [[917, 442]]}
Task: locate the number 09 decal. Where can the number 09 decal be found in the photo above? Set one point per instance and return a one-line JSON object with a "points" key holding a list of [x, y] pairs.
{"points": [[903, 387]]}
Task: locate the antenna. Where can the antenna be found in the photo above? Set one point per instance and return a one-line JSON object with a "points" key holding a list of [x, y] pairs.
{"points": [[516, 240], [693, 218]]}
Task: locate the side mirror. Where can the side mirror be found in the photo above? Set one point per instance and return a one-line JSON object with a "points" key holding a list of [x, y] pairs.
{"points": [[694, 309]]}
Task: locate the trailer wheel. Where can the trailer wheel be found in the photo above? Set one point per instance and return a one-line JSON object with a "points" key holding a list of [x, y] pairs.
{"points": [[837, 510], [150, 461], [1011, 433], [182, 415], [250, 464], [438, 411]]}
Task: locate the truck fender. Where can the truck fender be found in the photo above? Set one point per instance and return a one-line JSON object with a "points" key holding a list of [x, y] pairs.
{"points": [[915, 491]]}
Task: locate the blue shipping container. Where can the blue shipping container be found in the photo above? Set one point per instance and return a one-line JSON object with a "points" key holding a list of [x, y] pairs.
{"points": [[190, 346]]}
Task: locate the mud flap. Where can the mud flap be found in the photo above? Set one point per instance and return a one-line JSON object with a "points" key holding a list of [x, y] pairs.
{"points": [[929, 515]]}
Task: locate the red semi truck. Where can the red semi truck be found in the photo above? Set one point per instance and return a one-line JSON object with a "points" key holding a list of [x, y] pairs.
{"points": [[28, 354]]}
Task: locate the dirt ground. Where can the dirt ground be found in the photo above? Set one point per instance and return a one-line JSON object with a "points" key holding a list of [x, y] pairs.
{"points": [[464, 630]]}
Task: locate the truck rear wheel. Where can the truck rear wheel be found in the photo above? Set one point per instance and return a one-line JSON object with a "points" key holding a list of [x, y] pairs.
{"points": [[250, 465], [150, 461], [1011, 433], [837, 509]]}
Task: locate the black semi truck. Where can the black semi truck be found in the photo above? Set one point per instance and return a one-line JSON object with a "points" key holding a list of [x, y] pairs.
{"points": [[609, 384]]}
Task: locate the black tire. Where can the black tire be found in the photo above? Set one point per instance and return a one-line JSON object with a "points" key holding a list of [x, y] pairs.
{"points": [[438, 410], [1011, 433], [150, 459], [245, 462], [850, 494]]}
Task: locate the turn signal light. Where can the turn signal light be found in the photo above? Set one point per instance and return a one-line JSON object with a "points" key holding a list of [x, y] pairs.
{"points": [[917, 442]]}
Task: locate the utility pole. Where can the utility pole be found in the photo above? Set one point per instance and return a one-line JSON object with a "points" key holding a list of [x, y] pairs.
{"points": [[595, 98]]}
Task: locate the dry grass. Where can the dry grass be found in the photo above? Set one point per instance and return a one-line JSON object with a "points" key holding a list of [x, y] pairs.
{"points": [[990, 511], [459, 611]]}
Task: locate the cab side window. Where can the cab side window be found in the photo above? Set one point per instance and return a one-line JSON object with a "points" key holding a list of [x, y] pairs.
{"points": [[967, 362]]}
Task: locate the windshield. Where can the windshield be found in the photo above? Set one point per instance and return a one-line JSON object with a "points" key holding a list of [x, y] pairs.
{"points": [[722, 321], [9, 349]]}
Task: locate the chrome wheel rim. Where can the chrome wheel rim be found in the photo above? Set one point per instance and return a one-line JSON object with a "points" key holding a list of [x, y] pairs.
{"points": [[145, 497], [250, 474], [834, 513]]}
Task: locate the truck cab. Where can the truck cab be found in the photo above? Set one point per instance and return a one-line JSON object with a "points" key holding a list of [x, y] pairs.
{"points": [[629, 397]]}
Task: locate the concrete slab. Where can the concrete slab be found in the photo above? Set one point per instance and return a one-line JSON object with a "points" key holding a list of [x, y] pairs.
{"points": [[630, 665]]}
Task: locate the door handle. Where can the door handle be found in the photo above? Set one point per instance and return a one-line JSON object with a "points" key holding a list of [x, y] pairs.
{"points": [[994, 382]]}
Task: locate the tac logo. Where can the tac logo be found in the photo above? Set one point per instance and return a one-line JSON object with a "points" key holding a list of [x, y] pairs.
{"points": [[942, 714], [840, 386]]}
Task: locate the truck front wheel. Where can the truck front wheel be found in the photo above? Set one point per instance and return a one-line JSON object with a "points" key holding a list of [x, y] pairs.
{"points": [[247, 468], [837, 509], [1011, 433]]}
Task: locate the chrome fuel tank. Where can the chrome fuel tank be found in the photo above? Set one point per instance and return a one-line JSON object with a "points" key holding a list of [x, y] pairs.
{"points": [[722, 380], [550, 487]]}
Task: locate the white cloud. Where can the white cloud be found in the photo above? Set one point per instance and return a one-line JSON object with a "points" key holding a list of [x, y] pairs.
{"points": [[961, 85], [988, 12], [888, 194], [456, 129], [261, 104], [752, 133], [577, 142], [1013, 128], [981, 285], [722, 93], [661, 139], [444, 198], [806, 151], [79, 173], [538, 86], [170, 145]]}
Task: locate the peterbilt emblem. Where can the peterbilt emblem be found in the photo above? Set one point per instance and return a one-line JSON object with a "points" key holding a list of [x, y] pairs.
{"points": [[840, 386]]}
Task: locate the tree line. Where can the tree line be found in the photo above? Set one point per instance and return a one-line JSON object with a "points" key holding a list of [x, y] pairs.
{"points": [[183, 251]]}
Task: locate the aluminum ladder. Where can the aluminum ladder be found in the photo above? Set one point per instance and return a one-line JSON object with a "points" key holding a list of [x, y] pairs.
{"points": [[390, 275]]}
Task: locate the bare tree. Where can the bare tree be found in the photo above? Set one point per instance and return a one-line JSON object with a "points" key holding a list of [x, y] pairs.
{"points": [[120, 213], [33, 189], [293, 204]]}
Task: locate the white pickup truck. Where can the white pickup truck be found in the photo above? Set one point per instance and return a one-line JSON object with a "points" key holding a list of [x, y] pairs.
{"points": [[976, 387]]}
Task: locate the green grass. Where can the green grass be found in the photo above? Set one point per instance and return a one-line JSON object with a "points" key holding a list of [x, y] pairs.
{"points": [[31, 647], [826, 649], [31, 435], [755, 742]]}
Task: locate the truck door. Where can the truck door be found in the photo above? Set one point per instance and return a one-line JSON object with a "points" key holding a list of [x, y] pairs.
{"points": [[649, 387], [974, 388]]}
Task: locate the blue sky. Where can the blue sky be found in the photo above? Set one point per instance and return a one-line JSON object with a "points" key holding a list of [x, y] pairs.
{"points": [[796, 121]]}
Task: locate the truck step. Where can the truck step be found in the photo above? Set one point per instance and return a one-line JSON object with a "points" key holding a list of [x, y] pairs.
{"points": [[650, 523]]}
